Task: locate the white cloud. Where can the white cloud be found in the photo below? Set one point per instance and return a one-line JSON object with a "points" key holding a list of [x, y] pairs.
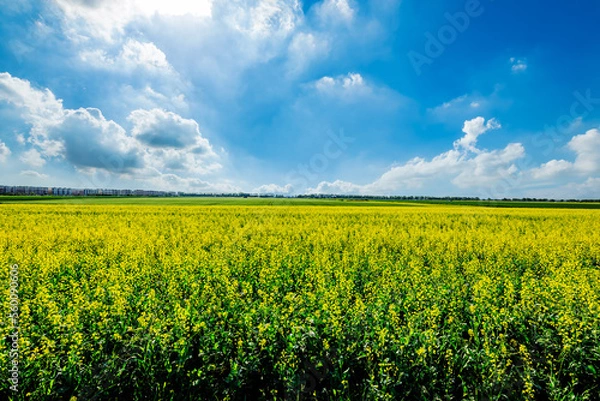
{"points": [[133, 54], [4, 152], [173, 182], [90, 141], [251, 30], [518, 65], [587, 148], [106, 19], [452, 102], [33, 158], [473, 129], [149, 98], [254, 32], [304, 48], [144, 54], [336, 187], [261, 18], [587, 158], [345, 87], [335, 12], [39, 107], [551, 169], [588, 189], [196, 8], [468, 168], [465, 166], [490, 166], [160, 142], [172, 143], [274, 189], [161, 129], [34, 174]]}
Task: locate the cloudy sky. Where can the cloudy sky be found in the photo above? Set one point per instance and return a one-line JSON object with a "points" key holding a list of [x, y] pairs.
{"points": [[476, 98]]}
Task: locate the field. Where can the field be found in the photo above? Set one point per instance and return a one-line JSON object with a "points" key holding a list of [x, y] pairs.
{"points": [[245, 301], [239, 201]]}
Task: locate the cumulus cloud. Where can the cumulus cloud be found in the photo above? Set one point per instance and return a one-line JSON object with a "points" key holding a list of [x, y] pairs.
{"points": [[106, 19], [253, 31], [465, 166], [587, 158], [304, 48], [263, 18], [33, 158], [347, 88], [173, 143], [473, 129], [588, 189], [468, 167], [34, 174], [149, 98], [274, 189], [144, 54], [518, 65], [335, 12], [4, 152], [133, 54], [91, 141], [274, 36], [490, 166], [587, 149], [159, 142], [161, 129], [39, 107], [336, 187], [551, 169], [173, 182]]}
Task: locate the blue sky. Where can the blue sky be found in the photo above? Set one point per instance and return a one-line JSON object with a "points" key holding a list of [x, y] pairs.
{"points": [[473, 98]]}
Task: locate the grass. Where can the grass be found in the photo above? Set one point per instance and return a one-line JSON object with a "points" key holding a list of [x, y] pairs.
{"points": [[199, 201], [219, 201]]}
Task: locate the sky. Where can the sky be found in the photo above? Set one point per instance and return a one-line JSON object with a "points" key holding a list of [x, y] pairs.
{"points": [[481, 98]]}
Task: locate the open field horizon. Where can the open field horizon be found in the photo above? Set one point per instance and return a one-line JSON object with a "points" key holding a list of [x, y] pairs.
{"points": [[253, 201]]}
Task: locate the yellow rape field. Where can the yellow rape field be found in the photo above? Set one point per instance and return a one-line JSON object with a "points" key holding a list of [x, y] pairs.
{"points": [[304, 302]]}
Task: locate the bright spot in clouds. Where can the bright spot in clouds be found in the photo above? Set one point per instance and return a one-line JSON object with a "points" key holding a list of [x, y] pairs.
{"points": [[198, 8]]}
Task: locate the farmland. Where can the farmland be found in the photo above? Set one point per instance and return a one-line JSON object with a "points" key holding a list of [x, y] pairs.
{"points": [[300, 301]]}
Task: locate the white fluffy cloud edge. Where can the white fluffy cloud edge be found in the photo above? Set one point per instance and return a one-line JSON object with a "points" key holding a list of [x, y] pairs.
{"points": [[161, 149], [493, 174], [164, 150]]}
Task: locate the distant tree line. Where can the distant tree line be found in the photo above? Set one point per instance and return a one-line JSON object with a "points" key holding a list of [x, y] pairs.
{"points": [[53, 191]]}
